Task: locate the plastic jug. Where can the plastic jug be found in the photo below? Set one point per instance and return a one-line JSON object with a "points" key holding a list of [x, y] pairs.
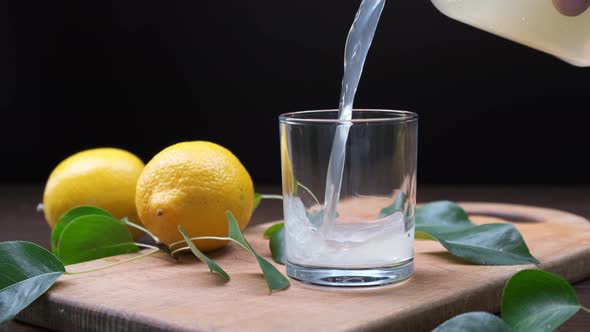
{"points": [[535, 23]]}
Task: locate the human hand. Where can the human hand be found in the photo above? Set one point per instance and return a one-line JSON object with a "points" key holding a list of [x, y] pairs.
{"points": [[571, 7]]}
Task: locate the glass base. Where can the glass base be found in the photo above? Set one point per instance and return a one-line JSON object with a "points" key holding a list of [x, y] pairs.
{"points": [[367, 277]]}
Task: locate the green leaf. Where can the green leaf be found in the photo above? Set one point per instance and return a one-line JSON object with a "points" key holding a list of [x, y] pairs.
{"points": [[273, 229], [277, 245], [257, 200], [535, 300], [397, 205], [489, 244], [423, 236], [213, 267], [68, 217], [317, 218], [441, 217], [295, 187], [274, 278], [410, 218], [94, 236], [276, 234], [26, 272], [474, 322]]}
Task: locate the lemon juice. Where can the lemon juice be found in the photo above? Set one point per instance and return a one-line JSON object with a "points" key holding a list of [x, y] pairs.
{"points": [[535, 23], [353, 242], [346, 241], [356, 49]]}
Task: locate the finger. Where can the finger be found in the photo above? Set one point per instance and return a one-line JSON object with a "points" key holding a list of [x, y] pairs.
{"points": [[571, 7]]}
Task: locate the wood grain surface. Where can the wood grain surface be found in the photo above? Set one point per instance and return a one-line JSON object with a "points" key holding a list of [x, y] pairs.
{"points": [[159, 294]]}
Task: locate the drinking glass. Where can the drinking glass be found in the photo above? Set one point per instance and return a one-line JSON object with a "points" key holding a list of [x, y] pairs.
{"points": [[370, 241]]}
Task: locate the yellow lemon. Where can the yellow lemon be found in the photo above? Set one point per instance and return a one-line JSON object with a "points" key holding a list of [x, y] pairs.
{"points": [[193, 184], [103, 177], [287, 171]]}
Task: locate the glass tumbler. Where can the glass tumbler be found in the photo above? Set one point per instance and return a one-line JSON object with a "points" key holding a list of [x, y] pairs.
{"points": [[366, 238]]}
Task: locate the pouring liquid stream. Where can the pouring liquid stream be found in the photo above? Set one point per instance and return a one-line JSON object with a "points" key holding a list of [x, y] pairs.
{"points": [[531, 22], [357, 47]]}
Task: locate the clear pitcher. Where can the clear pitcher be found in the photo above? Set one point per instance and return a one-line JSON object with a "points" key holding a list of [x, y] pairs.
{"points": [[535, 23]]}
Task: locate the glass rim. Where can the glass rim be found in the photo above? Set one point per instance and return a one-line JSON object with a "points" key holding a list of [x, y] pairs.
{"points": [[387, 116]]}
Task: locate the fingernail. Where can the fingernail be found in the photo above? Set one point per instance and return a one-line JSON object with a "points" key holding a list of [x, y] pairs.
{"points": [[571, 7]]}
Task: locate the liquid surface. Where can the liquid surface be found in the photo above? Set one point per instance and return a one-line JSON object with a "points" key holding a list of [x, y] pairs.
{"points": [[353, 242], [535, 23]]}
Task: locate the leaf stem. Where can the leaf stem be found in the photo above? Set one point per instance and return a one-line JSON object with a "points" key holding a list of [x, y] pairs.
{"points": [[201, 238], [309, 191], [208, 238], [145, 245], [143, 229], [114, 264], [263, 196], [174, 252], [585, 309]]}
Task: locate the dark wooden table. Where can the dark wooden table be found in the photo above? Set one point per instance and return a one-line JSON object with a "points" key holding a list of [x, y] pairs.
{"points": [[20, 221]]}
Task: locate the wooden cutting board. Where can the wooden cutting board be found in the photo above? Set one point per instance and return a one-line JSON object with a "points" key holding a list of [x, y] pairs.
{"points": [[159, 294]]}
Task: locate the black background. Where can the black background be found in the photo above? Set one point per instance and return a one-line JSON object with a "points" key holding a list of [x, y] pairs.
{"points": [[142, 75]]}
